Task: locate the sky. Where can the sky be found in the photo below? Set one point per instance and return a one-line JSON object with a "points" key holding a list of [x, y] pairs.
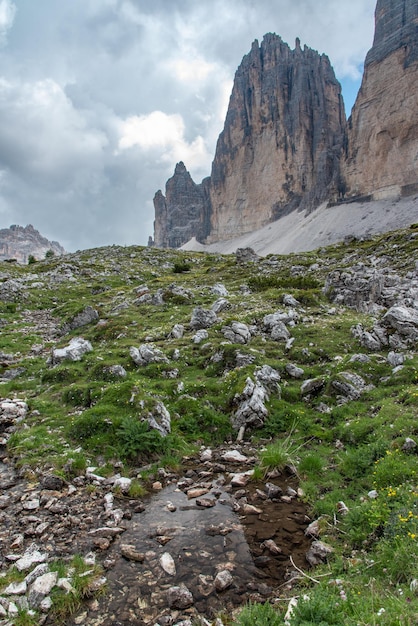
{"points": [[99, 99]]}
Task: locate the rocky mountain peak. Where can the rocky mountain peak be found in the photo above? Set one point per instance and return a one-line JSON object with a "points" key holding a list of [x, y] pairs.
{"points": [[286, 144], [21, 242]]}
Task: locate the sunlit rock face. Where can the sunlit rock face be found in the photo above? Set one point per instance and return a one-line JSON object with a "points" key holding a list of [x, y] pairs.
{"points": [[279, 149], [382, 157], [280, 146]]}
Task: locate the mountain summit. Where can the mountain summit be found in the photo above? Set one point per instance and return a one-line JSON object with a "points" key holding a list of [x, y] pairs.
{"points": [[286, 144]]}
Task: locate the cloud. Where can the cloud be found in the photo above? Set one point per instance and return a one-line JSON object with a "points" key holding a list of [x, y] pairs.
{"points": [[42, 136], [7, 16], [165, 134], [100, 98]]}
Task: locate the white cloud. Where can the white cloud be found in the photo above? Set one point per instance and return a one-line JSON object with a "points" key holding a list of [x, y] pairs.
{"points": [[7, 16], [192, 70], [165, 133]]}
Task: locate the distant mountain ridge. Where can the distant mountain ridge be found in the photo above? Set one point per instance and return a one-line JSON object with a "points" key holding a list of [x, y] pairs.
{"points": [[286, 144], [21, 242]]}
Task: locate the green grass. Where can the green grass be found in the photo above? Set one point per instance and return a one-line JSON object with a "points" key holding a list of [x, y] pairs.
{"points": [[79, 414]]}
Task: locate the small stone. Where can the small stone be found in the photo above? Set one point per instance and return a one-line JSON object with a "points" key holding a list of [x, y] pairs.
{"points": [[318, 553], [234, 456], [196, 492], [157, 485], [167, 563], [41, 588], [271, 546], [223, 580], [206, 503], [16, 589], [131, 553], [179, 597]]}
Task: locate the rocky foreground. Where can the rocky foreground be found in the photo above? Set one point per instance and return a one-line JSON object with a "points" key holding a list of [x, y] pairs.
{"points": [[115, 362]]}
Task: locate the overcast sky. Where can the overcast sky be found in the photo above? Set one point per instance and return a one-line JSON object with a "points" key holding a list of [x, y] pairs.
{"points": [[99, 99]]}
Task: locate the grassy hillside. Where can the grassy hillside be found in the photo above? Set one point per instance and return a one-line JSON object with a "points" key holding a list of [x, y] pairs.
{"points": [[87, 412]]}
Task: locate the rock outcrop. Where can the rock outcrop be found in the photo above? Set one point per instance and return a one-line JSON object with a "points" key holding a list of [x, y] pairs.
{"points": [[279, 149], [20, 242], [180, 214], [286, 144], [382, 155], [280, 146]]}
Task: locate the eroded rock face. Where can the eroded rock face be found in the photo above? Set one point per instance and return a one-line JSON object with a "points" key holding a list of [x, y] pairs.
{"points": [[19, 242], [279, 149], [383, 128], [179, 215], [280, 144]]}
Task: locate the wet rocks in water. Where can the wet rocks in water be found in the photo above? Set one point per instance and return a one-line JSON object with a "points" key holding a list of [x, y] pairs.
{"points": [[223, 580], [131, 553], [167, 564], [179, 597]]}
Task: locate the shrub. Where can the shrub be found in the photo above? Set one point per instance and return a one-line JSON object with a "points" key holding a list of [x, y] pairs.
{"points": [[180, 267], [136, 438]]}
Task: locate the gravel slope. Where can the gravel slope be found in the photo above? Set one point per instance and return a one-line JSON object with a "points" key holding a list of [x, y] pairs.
{"points": [[298, 232]]}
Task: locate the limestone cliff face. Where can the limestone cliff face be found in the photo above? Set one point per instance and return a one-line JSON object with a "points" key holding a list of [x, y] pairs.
{"points": [[180, 214], [382, 156], [19, 242], [281, 142], [286, 144]]}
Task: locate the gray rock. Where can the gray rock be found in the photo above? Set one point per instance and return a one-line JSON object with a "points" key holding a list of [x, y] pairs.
{"points": [[118, 371], [268, 377], [272, 490], [279, 332], [223, 580], [318, 553], [220, 305], [41, 588], [87, 316], [202, 318], [246, 255], [349, 385], [360, 358], [394, 359], [160, 419], [146, 354], [73, 352], [237, 332], [251, 410], [200, 336], [289, 300], [312, 386], [219, 290], [294, 371], [179, 597], [404, 320], [409, 445], [177, 331]]}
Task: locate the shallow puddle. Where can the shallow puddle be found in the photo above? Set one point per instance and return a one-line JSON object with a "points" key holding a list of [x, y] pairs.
{"points": [[201, 542]]}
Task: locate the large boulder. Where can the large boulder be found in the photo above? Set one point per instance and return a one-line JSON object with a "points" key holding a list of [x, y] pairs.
{"points": [[73, 352], [202, 318], [146, 354]]}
